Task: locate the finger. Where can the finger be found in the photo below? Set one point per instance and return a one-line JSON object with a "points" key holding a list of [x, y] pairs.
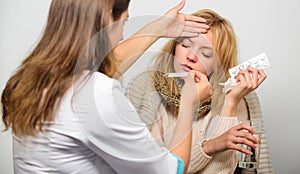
{"points": [[244, 141], [262, 76], [254, 78], [197, 25], [244, 126], [243, 150], [179, 6], [191, 74], [195, 77], [260, 73], [194, 29], [201, 76], [190, 77], [195, 19], [191, 29], [247, 77], [244, 80], [247, 136], [189, 34], [251, 69], [240, 78]]}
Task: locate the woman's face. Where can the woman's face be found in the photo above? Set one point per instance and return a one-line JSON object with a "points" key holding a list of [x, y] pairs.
{"points": [[195, 54], [116, 28]]}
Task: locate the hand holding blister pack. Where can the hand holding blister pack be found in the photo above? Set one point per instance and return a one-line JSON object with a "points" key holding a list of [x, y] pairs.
{"points": [[259, 62]]}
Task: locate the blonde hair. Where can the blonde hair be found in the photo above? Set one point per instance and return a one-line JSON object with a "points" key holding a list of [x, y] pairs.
{"points": [[225, 47]]}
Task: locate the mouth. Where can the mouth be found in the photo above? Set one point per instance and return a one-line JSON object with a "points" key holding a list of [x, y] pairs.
{"points": [[186, 68]]}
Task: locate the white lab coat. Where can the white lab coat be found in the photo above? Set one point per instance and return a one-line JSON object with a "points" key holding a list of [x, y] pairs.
{"points": [[96, 130]]}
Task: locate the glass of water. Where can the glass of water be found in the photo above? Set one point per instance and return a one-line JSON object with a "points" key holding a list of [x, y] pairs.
{"points": [[251, 161]]}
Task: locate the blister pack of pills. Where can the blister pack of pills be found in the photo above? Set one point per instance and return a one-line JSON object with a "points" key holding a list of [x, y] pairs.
{"points": [[259, 62]]}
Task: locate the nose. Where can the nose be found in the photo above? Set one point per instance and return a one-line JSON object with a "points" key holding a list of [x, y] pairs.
{"points": [[192, 58]]}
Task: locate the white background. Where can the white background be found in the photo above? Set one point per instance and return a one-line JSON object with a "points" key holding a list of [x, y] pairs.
{"points": [[261, 26]]}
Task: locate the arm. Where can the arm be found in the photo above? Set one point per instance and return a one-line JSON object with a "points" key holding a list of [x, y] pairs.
{"points": [[234, 136], [195, 91], [196, 87], [171, 25], [181, 141], [246, 84], [115, 133], [211, 128]]}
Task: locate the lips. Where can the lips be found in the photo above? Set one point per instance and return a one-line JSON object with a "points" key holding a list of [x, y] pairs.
{"points": [[186, 68]]}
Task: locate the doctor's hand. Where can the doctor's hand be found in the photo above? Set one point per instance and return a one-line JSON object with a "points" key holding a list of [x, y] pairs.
{"points": [[196, 88], [174, 24]]}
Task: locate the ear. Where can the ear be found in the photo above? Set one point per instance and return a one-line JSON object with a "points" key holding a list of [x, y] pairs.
{"points": [[111, 20]]}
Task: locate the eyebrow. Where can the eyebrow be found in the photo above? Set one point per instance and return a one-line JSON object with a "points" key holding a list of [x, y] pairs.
{"points": [[206, 47], [190, 40]]}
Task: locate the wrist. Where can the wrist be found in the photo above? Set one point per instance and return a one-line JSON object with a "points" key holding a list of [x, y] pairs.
{"points": [[187, 102], [230, 100], [151, 29], [230, 107], [162, 25], [156, 28], [206, 148]]}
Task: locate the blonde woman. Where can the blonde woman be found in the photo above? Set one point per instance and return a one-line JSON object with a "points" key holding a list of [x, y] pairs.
{"points": [[216, 132]]}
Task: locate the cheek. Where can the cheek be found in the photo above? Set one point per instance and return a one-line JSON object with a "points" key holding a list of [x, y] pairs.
{"points": [[177, 66], [180, 52], [201, 67], [119, 30], [205, 66], [116, 32], [179, 56]]}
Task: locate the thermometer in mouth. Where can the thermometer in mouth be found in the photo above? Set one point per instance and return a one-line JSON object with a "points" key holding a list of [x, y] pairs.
{"points": [[180, 74]]}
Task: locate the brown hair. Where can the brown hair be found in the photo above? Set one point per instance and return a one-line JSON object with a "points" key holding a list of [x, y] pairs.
{"points": [[120, 6], [32, 92], [108, 66], [225, 46]]}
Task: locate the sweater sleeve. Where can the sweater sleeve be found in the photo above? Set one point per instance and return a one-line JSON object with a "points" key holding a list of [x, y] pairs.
{"points": [[218, 125], [199, 159]]}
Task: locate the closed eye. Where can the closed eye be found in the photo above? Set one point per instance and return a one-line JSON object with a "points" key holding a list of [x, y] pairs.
{"points": [[207, 52], [185, 46], [186, 43]]}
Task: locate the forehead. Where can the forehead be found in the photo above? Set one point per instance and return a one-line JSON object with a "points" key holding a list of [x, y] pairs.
{"points": [[203, 39]]}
